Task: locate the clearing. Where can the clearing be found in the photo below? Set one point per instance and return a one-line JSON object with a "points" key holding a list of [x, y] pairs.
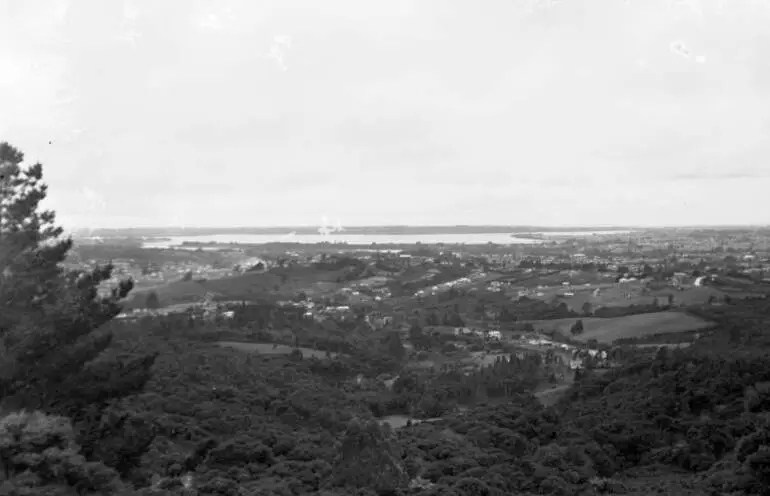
{"points": [[399, 421], [549, 395], [273, 349], [632, 326]]}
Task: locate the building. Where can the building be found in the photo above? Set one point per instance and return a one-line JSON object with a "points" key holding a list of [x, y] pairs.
{"points": [[576, 363]]}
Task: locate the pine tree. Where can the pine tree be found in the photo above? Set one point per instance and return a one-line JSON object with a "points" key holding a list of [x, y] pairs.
{"points": [[152, 301], [50, 318]]}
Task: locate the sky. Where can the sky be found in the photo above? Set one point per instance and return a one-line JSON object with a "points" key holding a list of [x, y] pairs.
{"points": [[438, 112]]}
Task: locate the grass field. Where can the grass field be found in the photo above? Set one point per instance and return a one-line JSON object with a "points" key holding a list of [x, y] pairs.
{"points": [[373, 282], [271, 349], [612, 296], [608, 330], [248, 286]]}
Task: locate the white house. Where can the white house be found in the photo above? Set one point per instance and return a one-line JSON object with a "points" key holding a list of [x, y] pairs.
{"points": [[461, 331]]}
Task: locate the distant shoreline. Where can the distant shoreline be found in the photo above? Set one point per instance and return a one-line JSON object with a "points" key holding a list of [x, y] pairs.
{"points": [[517, 230], [354, 230], [358, 239]]}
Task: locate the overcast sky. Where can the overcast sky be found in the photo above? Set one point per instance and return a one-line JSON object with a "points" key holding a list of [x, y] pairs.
{"points": [[251, 112]]}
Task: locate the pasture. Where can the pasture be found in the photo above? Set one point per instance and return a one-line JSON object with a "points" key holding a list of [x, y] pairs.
{"points": [[632, 326], [611, 295], [274, 349], [249, 286], [373, 282]]}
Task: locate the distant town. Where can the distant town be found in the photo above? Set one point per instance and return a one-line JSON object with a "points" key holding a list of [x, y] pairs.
{"points": [[533, 294]]}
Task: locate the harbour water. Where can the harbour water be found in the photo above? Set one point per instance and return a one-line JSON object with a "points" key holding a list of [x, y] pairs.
{"points": [[364, 239]]}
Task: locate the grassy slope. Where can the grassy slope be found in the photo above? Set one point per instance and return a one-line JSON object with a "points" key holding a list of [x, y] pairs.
{"points": [[608, 330], [247, 286], [611, 296]]}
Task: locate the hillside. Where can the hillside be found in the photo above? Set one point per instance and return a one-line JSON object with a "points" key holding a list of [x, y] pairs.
{"points": [[607, 330], [277, 424], [283, 282]]}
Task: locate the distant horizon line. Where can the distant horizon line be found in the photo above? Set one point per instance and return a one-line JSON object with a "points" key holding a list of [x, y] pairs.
{"points": [[432, 226]]}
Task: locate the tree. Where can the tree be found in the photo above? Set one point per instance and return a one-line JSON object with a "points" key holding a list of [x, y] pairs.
{"points": [[588, 309], [577, 328], [187, 276], [395, 345], [432, 319], [152, 301], [417, 338], [30, 248], [300, 297], [50, 319], [369, 457], [33, 443], [507, 316]]}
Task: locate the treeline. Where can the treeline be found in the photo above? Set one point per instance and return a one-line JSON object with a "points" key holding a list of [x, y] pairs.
{"points": [[534, 309], [562, 265]]}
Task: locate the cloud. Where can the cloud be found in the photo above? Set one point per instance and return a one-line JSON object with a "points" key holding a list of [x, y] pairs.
{"points": [[293, 182], [242, 131], [209, 20], [719, 176], [492, 112], [29, 92], [279, 49], [393, 141]]}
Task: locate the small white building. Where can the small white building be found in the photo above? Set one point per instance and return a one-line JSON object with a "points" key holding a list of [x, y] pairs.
{"points": [[461, 331]]}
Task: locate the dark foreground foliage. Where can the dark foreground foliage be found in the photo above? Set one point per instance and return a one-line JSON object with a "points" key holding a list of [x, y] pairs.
{"points": [[234, 423]]}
